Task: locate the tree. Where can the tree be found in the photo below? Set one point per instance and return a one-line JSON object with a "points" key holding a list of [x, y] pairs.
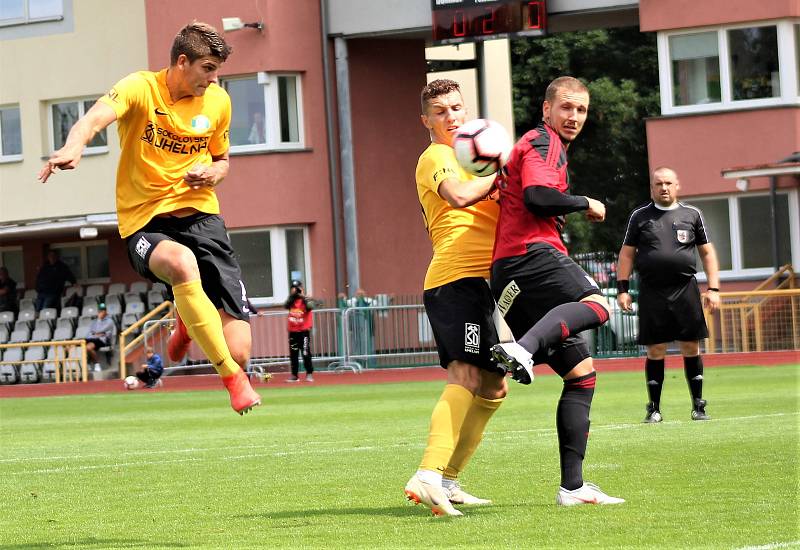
{"points": [[609, 160]]}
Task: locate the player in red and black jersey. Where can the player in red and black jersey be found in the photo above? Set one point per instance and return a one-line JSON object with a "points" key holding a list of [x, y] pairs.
{"points": [[545, 297]]}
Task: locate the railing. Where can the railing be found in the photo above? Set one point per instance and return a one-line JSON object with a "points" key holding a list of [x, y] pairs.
{"points": [[165, 310], [762, 320], [62, 373]]}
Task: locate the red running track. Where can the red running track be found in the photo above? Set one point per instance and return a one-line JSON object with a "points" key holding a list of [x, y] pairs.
{"points": [[381, 376]]}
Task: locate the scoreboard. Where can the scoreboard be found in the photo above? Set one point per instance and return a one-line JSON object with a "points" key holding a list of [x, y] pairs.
{"points": [[456, 21]]}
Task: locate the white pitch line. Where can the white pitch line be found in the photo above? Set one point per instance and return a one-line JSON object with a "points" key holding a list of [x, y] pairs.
{"points": [[771, 546], [342, 446]]}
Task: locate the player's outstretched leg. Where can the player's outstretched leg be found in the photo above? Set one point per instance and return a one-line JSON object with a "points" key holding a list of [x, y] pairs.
{"points": [[517, 360], [204, 325]]}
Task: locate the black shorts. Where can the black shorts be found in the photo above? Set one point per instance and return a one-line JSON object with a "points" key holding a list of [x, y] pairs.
{"points": [[673, 313], [206, 236], [527, 287], [460, 314]]}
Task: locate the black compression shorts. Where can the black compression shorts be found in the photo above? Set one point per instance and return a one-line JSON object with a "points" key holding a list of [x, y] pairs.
{"points": [[206, 236]]}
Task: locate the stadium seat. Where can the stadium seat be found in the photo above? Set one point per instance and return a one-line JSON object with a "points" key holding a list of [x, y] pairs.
{"points": [[49, 314], [4, 335], [160, 287], [64, 332], [28, 316], [30, 293], [115, 310], [81, 333], [154, 298], [115, 289], [132, 298], [19, 336], [7, 318], [89, 310], [135, 308], [128, 319], [117, 299], [19, 325], [41, 334], [70, 312], [63, 322], [42, 323], [95, 291], [140, 287], [26, 304], [9, 374], [29, 372], [85, 320], [48, 373]]}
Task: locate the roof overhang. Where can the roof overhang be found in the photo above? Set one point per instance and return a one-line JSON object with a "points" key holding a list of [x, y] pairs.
{"points": [[59, 227]]}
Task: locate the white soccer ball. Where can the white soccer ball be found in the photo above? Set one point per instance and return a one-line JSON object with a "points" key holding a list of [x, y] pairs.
{"points": [[482, 146], [131, 383]]}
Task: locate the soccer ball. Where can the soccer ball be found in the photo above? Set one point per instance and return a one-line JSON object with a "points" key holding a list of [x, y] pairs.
{"points": [[131, 383], [482, 146]]}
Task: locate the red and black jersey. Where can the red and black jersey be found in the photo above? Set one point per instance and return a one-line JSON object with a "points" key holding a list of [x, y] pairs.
{"points": [[300, 317], [538, 158]]}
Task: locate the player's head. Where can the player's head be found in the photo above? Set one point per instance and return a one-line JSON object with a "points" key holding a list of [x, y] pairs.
{"points": [[198, 52], [443, 110], [566, 104], [664, 186]]}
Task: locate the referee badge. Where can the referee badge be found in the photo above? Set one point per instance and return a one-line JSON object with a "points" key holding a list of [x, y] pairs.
{"points": [[683, 235]]}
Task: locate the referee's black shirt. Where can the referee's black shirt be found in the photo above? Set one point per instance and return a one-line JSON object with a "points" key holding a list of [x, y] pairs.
{"points": [[665, 242]]}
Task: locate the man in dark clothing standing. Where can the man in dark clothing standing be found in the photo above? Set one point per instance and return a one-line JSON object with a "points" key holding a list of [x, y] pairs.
{"points": [[8, 291], [50, 282], [299, 323], [661, 238]]}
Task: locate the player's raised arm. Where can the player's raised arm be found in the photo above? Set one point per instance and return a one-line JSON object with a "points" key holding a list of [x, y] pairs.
{"points": [[460, 194], [81, 133]]}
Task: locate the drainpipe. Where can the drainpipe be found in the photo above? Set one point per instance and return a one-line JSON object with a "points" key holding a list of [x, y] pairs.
{"points": [[333, 167]]}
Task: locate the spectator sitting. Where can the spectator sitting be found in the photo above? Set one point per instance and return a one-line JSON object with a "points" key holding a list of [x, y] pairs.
{"points": [[151, 372], [50, 282], [101, 332], [8, 291]]}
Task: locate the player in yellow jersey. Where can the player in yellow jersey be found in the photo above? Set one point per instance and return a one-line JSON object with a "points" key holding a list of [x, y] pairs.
{"points": [[460, 219], [173, 128]]}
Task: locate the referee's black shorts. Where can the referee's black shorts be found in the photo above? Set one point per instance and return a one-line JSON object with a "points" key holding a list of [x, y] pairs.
{"points": [[206, 236], [460, 313], [671, 313]]}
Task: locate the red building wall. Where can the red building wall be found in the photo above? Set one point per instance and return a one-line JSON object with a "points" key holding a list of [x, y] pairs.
{"points": [[386, 77], [657, 15], [698, 147]]}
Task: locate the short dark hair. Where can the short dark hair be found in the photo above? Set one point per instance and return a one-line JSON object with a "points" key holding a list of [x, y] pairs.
{"points": [[436, 88], [196, 40], [564, 82]]}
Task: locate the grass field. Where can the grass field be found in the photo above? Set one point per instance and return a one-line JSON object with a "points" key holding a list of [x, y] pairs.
{"points": [[324, 467]]}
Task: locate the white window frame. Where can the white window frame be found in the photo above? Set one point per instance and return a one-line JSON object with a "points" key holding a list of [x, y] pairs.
{"points": [[83, 278], [87, 151], [787, 65], [269, 81], [27, 19], [3, 156], [279, 263], [737, 272]]}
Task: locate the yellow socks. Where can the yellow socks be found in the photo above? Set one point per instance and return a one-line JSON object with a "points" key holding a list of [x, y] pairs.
{"points": [[446, 423], [480, 411], [204, 325]]}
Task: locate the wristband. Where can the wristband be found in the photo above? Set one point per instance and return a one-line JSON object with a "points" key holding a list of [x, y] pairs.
{"points": [[623, 285], [713, 289]]}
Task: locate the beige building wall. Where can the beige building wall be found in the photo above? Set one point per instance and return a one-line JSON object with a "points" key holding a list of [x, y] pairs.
{"points": [[108, 41]]}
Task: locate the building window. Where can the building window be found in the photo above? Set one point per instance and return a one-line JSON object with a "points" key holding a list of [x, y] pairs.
{"points": [[695, 68], [10, 134], [18, 12], [740, 227], [266, 112], [754, 63], [87, 260], [64, 115], [270, 258], [12, 259], [729, 68]]}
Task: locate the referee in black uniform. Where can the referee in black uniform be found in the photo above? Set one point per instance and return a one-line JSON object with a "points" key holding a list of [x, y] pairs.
{"points": [[661, 239]]}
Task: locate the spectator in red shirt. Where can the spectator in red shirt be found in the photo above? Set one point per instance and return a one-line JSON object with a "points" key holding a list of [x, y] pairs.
{"points": [[300, 322]]}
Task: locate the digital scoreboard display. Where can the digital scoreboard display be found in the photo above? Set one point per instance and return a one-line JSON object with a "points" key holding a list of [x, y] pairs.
{"points": [[456, 21]]}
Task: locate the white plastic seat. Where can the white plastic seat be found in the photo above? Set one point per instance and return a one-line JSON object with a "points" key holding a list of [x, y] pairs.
{"points": [[140, 287], [69, 312], [94, 291], [115, 289], [41, 335], [19, 336], [63, 333], [7, 318], [28, 315], [30, 293], [4, 335], [81, 333], [89, 309], [154, 298], [42, 323], [26, 304], [9, 374], [135, 307], [49, 314]]}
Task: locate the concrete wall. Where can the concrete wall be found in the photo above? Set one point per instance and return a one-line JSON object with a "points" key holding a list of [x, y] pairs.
{"points": [[62, 66]]}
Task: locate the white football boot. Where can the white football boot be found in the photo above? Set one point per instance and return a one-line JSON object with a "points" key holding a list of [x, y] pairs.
{"points": [[457, 495], [432, 496], [517, 360], [589, 493]]}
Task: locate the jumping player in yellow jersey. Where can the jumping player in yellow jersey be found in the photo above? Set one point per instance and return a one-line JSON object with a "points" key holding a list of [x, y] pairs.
{"points": [[460, 219], [173, 128]]}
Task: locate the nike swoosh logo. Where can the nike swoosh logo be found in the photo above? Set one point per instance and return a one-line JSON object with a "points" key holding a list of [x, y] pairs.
{"points": [[160, 112]]}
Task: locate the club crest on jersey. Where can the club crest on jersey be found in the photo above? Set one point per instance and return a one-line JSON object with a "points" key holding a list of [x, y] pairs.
{"points": [[472, 338], [200, 123], [683, 235]]}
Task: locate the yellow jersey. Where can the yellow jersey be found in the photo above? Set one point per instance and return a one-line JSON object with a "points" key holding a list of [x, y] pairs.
{"points": [[161, 140], [462, 238]]}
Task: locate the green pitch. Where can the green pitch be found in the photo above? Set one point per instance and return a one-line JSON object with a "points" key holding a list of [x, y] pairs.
{"points": [[324, 467]]}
